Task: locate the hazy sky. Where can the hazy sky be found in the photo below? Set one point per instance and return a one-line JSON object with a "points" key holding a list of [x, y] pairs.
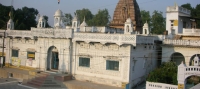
{"points": [[48, 7]]}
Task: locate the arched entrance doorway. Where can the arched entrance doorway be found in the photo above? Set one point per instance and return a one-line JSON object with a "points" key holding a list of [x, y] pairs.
{"points": [[192, 59], [178, 58], [52, 59], [191, 81]]}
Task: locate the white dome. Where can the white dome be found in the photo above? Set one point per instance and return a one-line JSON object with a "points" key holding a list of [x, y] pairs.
{"points": [[75, 18], [10, 21], [83, 24], [58, 13], [146, 25], [129, 20], [41, 18]]}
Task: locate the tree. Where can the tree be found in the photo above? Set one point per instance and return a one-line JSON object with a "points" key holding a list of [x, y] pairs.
{"points": [[145, 16], [85, 13], [166, 73], [47, 24], [197, 14], [68, 19], [25, 18], [101, 18], [4, 16], [158, 23], [189, 7]]}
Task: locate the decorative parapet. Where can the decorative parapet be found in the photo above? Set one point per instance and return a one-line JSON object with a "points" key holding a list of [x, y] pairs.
{"points": [[41, 32], [153, 85], [182, 42], [179, 9], [105, 38], [189, 31], [20, 33], [146, 39]]}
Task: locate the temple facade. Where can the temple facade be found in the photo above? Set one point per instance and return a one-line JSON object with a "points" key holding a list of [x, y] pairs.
{"points": [[104, 55]]}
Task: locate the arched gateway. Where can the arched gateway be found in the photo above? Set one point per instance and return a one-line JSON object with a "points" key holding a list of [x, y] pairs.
{"points": [[52, 59], [184, 72]]}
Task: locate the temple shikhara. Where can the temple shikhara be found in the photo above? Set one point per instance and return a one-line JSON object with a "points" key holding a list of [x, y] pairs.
{"points": [[121, 55], [127, 9]]}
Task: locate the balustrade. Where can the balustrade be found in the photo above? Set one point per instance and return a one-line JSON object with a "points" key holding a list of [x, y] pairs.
{"points": [[182, 42], [57, 33], [105, 38]]}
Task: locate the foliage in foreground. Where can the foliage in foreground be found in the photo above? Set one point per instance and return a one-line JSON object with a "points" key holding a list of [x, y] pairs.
{"points": [[166, 73]]}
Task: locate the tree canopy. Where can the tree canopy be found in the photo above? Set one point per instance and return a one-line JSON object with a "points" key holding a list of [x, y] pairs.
{"points": [[156, 21], [145, 16], [99, 19], [195, 12], [24, 18], [166, 73]]}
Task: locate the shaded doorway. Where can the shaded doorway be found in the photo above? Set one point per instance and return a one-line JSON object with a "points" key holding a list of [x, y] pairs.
{"points": [[52, 59], [177, 58]]}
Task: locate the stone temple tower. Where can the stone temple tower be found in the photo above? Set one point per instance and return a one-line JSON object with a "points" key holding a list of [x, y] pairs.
{"points": [[127, 9]]}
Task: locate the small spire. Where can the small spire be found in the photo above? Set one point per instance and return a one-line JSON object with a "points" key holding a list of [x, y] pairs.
{"points": [[84, 18], [175, 4]]}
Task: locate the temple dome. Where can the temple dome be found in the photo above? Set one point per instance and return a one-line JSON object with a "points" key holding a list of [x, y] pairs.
{"points": [[41, 18], [129, 20], [58, 13], [146, 25]]}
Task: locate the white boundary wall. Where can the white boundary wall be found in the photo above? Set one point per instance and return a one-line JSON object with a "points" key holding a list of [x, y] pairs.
{"points": [[153, 85]]}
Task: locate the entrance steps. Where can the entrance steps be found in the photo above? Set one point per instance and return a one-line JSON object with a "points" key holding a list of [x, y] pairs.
{"points": [[45, 81]]}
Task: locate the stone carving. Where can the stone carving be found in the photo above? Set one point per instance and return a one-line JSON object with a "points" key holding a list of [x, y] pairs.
{"points": [[98, 46], [126, 9]]}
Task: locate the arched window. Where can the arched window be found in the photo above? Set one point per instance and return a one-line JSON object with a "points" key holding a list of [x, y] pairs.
{"points": [[127, 28], [145, 31], [74, 24]]}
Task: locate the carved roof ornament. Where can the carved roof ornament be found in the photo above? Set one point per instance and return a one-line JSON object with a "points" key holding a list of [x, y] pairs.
{"points": [[127, 9]]}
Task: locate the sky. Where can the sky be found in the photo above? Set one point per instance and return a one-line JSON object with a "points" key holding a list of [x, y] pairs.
{"points": [[48, 7]]}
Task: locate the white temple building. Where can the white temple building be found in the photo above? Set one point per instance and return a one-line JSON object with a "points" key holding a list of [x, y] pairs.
{"points": [[103, 55]]}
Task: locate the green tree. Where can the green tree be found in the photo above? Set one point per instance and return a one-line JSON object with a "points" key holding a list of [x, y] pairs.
{"points": [[189, 7], [157, 22], [25, 18], [101, 18], [166, 73], [47, 24], [85, 13], [68, 19], [197, 14], [4, 16], [145, 16]]}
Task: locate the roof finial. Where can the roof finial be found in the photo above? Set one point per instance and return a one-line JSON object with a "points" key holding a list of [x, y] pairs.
{"points": [[175, 4]]}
